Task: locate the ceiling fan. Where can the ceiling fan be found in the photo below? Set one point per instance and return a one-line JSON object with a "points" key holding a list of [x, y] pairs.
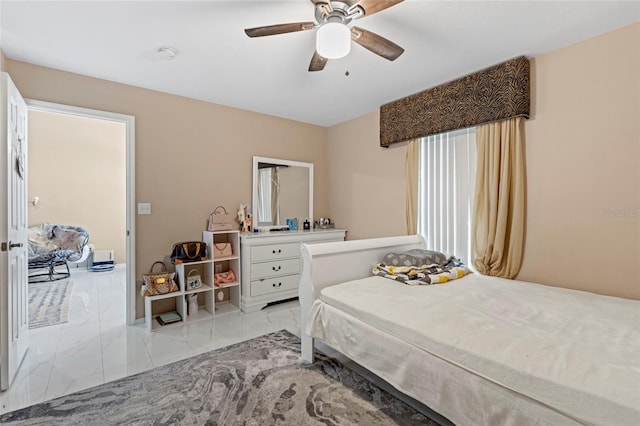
{"points": [[333, 36]]}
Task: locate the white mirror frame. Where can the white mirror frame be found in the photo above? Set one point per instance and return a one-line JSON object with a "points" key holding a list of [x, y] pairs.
{"points": [[254, 197]]}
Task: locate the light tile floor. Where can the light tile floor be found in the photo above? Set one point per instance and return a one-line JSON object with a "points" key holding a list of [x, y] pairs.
{"points": [[96, 346]]}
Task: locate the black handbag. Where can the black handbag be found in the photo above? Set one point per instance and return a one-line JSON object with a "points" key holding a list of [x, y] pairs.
{"points": [[188, 251]]}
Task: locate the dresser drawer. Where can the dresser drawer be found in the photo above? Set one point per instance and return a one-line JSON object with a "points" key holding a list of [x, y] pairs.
{"points": [[275, 251], [277, 267], [274, 285]]}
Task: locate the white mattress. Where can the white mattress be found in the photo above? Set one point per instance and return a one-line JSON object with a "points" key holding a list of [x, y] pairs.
{"points": [[575, 352]]}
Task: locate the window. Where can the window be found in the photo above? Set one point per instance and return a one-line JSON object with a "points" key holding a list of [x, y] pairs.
{"points": [[445, 192]]}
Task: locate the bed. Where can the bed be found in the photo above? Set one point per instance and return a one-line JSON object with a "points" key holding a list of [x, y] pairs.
{"points": [[478, 350]]}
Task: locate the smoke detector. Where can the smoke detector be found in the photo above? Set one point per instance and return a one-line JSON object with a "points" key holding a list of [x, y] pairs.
{"points": [[167, 53]]}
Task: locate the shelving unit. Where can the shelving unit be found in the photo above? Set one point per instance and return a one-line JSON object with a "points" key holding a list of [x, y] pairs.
{"points": [[150, 316], [206, 307], [208, 304], [231, 291]]}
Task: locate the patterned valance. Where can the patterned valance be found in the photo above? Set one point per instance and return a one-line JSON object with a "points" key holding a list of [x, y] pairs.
{"points": [[493, 94]]}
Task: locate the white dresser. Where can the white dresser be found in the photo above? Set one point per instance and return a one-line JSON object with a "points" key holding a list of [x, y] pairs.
{"points": [[271, 264]]}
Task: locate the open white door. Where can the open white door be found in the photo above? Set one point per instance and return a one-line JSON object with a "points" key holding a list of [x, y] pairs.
{"points": [[14, 304]]}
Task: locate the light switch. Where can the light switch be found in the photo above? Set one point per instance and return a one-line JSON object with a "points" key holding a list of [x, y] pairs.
{"points": [[144, 208]]}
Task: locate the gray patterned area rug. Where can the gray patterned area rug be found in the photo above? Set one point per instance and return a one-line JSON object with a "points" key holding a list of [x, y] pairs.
{"points": [[262, 381], [49, 303]]}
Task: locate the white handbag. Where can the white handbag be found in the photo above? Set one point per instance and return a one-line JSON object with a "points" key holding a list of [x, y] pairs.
{"points": [[193, 280]]}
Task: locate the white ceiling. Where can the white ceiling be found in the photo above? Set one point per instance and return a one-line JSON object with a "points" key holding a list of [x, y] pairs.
{"points": [[217, 62]]}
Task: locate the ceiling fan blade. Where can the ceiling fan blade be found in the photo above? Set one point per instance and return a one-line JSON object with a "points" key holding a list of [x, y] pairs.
{"points": [[374, 6], [375, 43], [317, 62], [279, 29]]}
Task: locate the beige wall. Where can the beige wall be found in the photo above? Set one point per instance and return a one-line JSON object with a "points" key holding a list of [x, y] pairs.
{"points": [[77, 169], [3, 61], [366, 181], [583, 167], [190, 155]]}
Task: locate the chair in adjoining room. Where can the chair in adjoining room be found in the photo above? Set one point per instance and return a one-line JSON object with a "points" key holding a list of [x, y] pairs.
{"points": [[51, 247]]}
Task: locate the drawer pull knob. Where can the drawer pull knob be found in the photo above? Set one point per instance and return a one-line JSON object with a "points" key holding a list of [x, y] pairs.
{"points": [[276, 269], [274, 284], [277, 251]]}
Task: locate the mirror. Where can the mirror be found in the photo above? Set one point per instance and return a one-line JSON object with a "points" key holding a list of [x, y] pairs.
{"points": [[282, 189]]}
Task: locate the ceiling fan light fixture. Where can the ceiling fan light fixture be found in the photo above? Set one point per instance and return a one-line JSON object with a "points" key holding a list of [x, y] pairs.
{"points": [[333, 40]]}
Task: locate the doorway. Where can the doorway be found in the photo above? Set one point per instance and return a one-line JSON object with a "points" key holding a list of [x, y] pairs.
{"points": [[81, 185]]}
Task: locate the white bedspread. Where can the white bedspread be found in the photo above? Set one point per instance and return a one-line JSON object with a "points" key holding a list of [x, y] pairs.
{"points": [[575, 352]]}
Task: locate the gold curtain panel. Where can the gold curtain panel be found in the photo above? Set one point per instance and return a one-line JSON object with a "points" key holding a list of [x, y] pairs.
{"points": [[493, 94]]}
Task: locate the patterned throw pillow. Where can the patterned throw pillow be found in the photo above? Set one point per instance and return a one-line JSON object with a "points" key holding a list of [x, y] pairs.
{"points": [[415, 257]]}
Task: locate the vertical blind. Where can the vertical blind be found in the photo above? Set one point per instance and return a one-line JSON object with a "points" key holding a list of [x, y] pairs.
{"points": [[445, 192]]}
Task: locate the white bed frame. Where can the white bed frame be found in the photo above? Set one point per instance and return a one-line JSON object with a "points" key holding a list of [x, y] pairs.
{"points": [[328, 264], [452, 391]]}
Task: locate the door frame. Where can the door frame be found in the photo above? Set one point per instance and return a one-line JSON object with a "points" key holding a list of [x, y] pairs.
{"points": [[129, 121]]}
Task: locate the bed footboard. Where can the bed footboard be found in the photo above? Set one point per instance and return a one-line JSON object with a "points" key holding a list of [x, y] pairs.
{"points": [[327, 264]]}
